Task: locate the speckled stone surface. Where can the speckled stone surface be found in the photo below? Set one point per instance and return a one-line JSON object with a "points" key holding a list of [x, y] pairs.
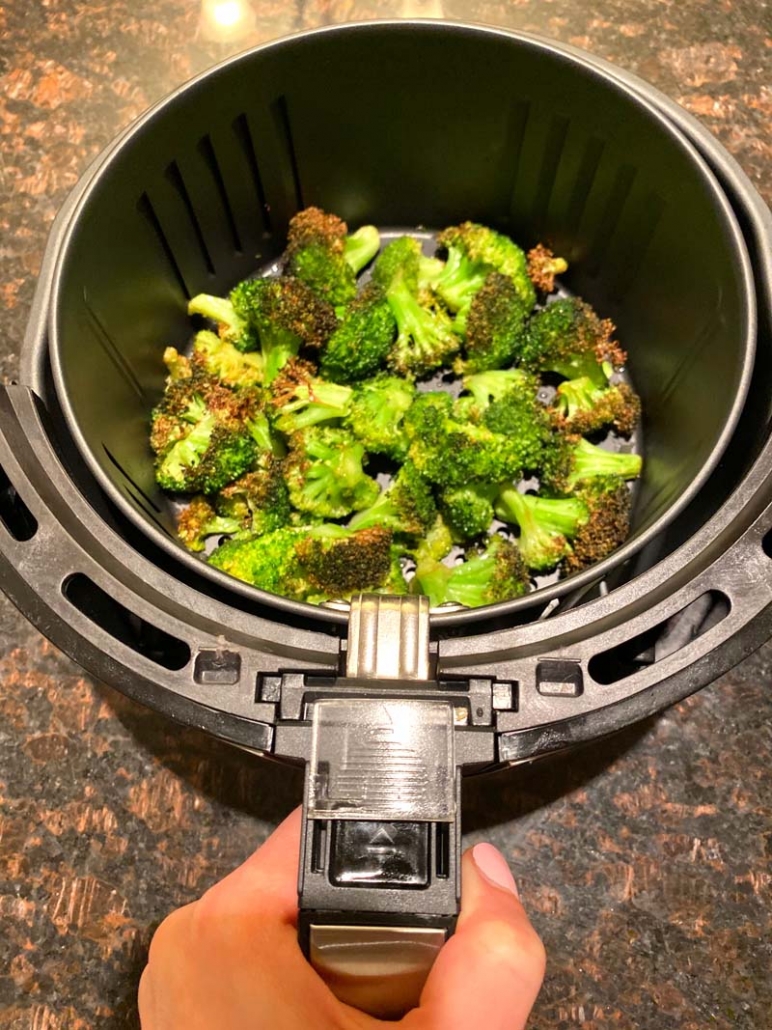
{"points": [[645, 860]]}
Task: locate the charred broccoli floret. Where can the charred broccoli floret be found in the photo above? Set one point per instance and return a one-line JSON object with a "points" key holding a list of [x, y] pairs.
{"points": [[425, 337], [363, 340], [301, 399], [204, 435], [607, 528], [406, 506], [582, 407], [543, 266], [286, 316], [567, 337], [227, 363], [314, 563], [493, 327], [316, 254], [495, 574], [376, 414], [546, 525], [324, 474], [199, 520], [257, 501]]}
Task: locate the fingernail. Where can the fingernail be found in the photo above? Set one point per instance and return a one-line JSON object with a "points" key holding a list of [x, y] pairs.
{"points": [[494, 868]]}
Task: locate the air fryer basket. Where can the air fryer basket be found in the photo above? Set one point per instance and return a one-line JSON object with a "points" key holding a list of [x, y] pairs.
{"points": [[540, 146], [664, 234]]}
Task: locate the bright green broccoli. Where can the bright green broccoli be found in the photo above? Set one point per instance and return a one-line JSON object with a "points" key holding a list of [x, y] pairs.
{"points": [[487, 577], [221, 359], [569, 461], [360, 345], [473, 252], [435, 545], [198, 520], [468, 510], [301, 399], [324, 474], [232, 326], [360, 247], [567, 337], [425, 338], [546, 525], [377, 410], [406, 506]]}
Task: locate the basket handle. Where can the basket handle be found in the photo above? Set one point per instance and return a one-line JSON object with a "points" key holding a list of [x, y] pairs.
{"points": [[379, 864]]}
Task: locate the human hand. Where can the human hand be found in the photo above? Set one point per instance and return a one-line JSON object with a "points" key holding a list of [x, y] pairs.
{"points": [[231, 960]]}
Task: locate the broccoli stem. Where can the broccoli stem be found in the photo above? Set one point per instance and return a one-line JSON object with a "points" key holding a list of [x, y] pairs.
{"points": [[361, 247], [590, 461]]}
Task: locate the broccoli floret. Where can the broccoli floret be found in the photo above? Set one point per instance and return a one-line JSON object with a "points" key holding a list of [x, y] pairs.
{"points": [[199, 520], [314, 563], [496, 574], [363, 340], [468, 510], [202, 435], [399, 257], [406, 506], [582, 407], [568, 461], [494, 326], [377, 410], [232, 326], [435, 545], [258, 501], [286, 315], [425, 338], [340, 562], [224, 361], [452, 453], [474, 251], [567, 337], [361, 246], [324, 474], [608, 502], [497, 385], [300, 399], [546, 525], [177, 365], [543, 266], [315, 254]]}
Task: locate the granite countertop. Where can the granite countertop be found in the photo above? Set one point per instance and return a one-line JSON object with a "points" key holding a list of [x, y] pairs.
{"points": [[644, 859]]}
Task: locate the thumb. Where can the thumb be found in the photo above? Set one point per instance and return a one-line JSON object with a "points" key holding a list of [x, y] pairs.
{"points": [[490, 972]]}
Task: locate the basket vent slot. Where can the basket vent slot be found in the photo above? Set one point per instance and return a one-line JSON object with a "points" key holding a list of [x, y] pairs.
{"points": [[281, 113], [244, 137], [14, 513], [207, 152], [766, 543], [146, 209], [553, 151], [114, 461], [174, 175], [661, 641], [585, 180], [111, 616], [611, 217], [108, 345]]}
